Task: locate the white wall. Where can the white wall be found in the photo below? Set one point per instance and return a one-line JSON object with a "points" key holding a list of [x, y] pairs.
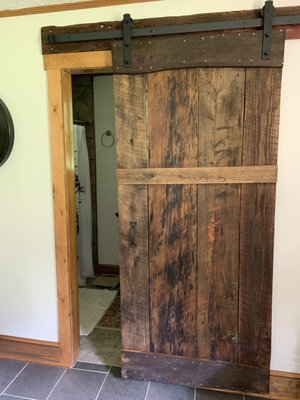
{"points": [[107, 203], [27, 264]]}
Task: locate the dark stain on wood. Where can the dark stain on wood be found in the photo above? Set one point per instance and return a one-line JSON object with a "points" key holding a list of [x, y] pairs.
{"points": [[194, 372], [257, 217], [133, 207], [221, 109], [233, 49]]}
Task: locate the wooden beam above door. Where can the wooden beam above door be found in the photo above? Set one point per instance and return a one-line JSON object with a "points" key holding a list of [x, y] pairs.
{"points": [[292, 31]]}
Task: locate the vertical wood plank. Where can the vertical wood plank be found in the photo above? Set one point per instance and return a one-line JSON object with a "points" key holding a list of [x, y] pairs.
{"points": [[134, 275], [60, 106], [172, 127], [221, 108], [257, 217], [131, 120], [131, 138]]}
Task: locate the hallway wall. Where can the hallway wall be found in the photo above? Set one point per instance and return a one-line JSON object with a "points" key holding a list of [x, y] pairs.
{"points": [[107, 203]]}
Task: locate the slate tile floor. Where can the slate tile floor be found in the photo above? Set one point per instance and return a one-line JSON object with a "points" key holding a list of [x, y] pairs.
{"points": [[88, 381]]}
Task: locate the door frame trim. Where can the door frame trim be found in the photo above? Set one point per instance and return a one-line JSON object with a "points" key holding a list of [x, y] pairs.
{"points": [[60, 68]]}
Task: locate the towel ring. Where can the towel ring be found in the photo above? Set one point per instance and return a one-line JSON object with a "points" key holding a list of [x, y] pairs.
{"points": [[111, 140]]}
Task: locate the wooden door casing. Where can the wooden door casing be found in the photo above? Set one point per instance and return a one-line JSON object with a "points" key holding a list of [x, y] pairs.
{"points": [[196, 259]]}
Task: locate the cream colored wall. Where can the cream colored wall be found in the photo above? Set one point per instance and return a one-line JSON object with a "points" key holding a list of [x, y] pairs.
{"points": [[27, 264], [107, 203]]}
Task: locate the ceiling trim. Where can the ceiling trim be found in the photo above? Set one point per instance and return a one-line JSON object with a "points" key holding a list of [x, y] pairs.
{"points": [[68, 7]]}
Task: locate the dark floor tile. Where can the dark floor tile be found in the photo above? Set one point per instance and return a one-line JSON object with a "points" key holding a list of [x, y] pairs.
{"points": [[116, 388], [213, 395], [91, 367], [35, 381], [159, 391], [8, 371], [78, 385]]}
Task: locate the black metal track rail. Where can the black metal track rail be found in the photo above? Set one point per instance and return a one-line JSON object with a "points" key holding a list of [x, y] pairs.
{"points": [[171, 29]]}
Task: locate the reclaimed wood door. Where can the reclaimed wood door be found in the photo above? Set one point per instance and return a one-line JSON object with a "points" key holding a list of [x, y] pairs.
{"points": [[197, 155]]}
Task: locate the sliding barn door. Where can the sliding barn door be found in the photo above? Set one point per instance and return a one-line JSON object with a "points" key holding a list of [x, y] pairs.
{"points": [[197, 154]]}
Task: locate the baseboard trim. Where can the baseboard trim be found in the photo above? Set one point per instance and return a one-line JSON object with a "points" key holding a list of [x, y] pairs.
{"points": [[108, 269], [29, 350], [283, 386]]}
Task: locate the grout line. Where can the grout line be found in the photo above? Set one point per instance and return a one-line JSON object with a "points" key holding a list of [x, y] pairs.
{"points": [[56, 384], [146, 395], [14, 396], [103, 383], [195, 393], [89, 370], [14, 379]]}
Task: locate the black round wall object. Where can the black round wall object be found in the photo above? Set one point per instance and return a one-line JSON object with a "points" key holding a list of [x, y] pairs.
{"points": [[7, 134]]}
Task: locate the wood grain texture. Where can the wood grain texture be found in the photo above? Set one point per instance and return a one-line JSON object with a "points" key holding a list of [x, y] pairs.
{"points": [[37, 351], [173, 263], [230, 49], [134, 274], [60, 110], [131, 121], [48, 48], [256, 271], [194, 372], [257, 217], [262, 111], [172, 100], [200, 175], [100, 60], [131, 141], [221, 109], [78, 5]]}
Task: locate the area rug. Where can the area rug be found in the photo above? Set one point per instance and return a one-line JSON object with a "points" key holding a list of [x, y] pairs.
{"points": [[92, 304], [112, 318]]}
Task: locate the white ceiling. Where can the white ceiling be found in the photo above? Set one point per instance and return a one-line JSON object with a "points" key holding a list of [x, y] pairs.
{"points": [[16, 4]]}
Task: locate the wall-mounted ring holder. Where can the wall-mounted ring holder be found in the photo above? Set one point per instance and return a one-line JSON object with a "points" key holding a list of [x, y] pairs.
{"points": [[107, 139], [7, 134]]}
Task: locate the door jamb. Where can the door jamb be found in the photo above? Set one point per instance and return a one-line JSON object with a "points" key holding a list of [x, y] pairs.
{"points": [[59, 69]]}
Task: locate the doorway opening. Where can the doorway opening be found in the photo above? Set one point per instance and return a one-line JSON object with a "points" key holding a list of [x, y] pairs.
{"points": [[96, 219]]}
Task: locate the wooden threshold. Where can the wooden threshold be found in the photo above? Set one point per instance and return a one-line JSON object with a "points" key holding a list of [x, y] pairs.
{"points": [[29, 350], [79, 5]]}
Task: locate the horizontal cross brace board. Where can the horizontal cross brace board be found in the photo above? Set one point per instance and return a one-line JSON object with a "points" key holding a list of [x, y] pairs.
{"points": [[171, 29], [199, 176], [194, 372]]}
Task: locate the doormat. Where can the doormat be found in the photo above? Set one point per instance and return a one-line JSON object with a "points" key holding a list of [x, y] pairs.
{"points": [[112, 318], [92, 304], [107, 281]]}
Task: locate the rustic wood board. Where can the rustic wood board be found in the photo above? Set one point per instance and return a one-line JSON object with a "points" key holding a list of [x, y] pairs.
{"points": [[230, 49], [261, 129], [133, 212], [221, 109], [94, 45], [172, 100], [194, 372], [199, 175]]}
